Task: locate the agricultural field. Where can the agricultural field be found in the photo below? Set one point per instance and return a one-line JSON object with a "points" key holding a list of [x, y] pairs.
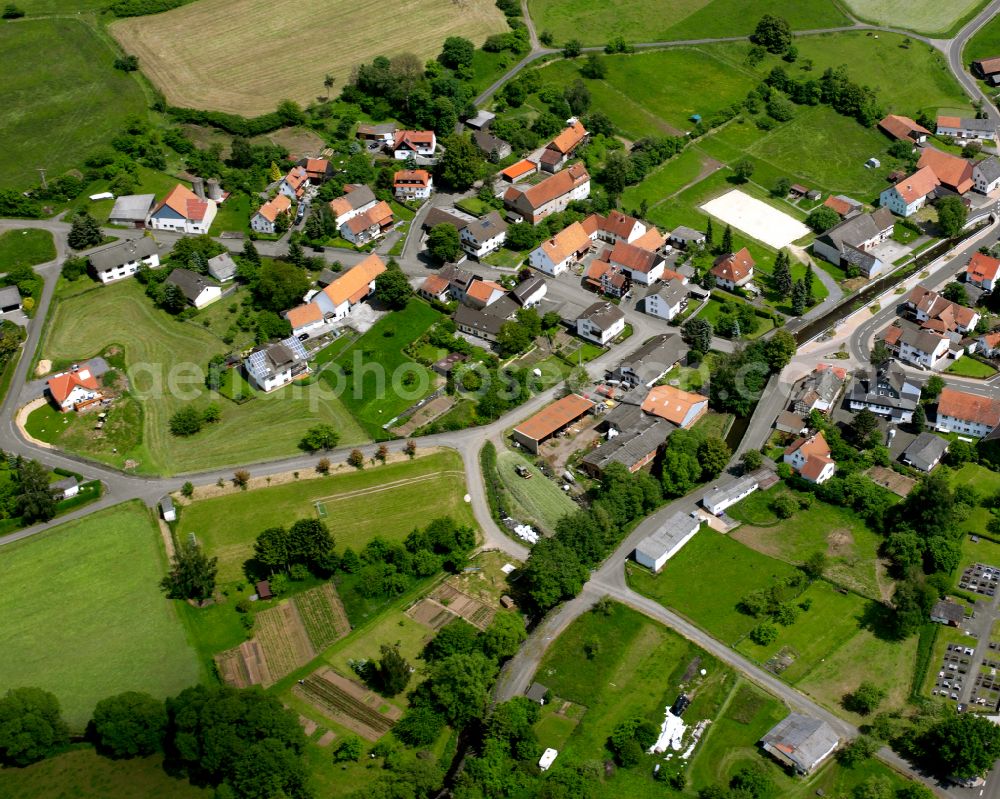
{"points": [[107, 627], [83, 774], [834, 643], [165, 361], [217, 69], [851, 548], [537, 501], [27, 247], [685, 169], [390, 381], [358, 505], [922, 16], [594, 22], [66, 107]]}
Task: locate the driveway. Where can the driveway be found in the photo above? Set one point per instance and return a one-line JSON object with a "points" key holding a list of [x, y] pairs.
{"points": [[889, 251]]}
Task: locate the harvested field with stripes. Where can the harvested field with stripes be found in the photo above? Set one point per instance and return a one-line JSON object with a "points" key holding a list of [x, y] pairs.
{"points": [[246, 56], [448, 602], [349, 704], [285, 638]]}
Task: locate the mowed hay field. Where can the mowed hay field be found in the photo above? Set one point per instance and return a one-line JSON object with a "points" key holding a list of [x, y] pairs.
{"points": [[595, 22], [245, 56], [165, 360], [84, 617], [62, 98], [923, 16], [387, 501]]}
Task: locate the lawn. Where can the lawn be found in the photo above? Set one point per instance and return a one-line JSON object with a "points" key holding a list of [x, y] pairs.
{"points": [[734, 569], [877, 63], [987, 483], [101, 624], [850, 546], [595, 22], [668, 179], [234, 215], [25, 248], [714, 424], [83, 774], [970, 367], [985, 44], [165, 360], [538, 501], [376, 381], [69, 104], [923, 16], [637, 99], [219, 70], [150, 181], [359, 505]]}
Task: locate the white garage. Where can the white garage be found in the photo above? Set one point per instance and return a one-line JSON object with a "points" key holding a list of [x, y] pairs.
{"points": [[659, 547]]}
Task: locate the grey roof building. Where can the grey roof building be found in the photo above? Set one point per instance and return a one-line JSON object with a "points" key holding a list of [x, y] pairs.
{"points": [[10, 299], [485, 323], [602, 315], [850, 240], [125, 252], [800, 742], [485, 228], [686, 236], [925, 451], [633, 449], [650, 362], [277, 364], [886, 391], [489, 144], [819, 389], [945, 612], [481, 121], [524, 291], [326, 277], [190, 283], [989, 168], [222, 267], [658, 547], [132, 210], [438, 216]]}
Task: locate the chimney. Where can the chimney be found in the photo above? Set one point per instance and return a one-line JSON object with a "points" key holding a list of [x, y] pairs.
{"points": [[214, 190], [198, 187]]}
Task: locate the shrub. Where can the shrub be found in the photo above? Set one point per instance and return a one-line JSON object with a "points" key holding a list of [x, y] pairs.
{"points": [[186, 422], [764, 634]]}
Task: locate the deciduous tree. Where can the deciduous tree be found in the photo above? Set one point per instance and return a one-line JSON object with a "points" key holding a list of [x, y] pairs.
{"points": [[31, 726], [131, 724]]}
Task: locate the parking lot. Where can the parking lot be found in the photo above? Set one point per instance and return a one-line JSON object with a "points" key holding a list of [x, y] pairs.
{"points": [[980, 579], [954, 672]]}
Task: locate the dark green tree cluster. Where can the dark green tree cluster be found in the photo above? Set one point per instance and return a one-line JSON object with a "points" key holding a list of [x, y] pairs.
{"points": [[31, 726], [307, 542], [84, 233], [385, 568], [192, 573], [558, 566], [320, 437], [691, 458], [834, 88], [821, 219], [392, 288], [738, 379]]}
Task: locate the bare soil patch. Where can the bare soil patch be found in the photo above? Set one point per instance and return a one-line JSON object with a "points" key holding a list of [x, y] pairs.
{"points": [[349, 704], [840, 543]]}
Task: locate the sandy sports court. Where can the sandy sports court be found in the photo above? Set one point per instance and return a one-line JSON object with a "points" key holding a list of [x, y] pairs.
{"points": [[755, 218]]}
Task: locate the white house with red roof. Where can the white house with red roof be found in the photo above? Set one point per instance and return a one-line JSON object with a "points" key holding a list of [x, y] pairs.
{"points": [[418, 143], [733, 270], [810, 458], [966, 414], [412, 184], [911, 193], [266, 218], [293, 185], [75, 389], [642, 266], [982, 271], [183, 211], [370, 225]]}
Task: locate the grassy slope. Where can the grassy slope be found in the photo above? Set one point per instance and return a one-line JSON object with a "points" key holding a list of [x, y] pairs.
{"points": [[227, 525], [985, 44], [83, 774], [166, 353], [25, 248], [85, 617], [539, 497], [381, 393], [825, 639], [595, 22], [57, 115], [850, 546]]}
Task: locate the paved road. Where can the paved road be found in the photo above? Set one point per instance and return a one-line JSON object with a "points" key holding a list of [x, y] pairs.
{"points": [[952, 49]]}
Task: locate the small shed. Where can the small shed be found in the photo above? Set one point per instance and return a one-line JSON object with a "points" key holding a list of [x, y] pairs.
{"points": [[167, 509], [537, 692], [65, 488], [813, 194], [798, 190], [264, 590], [950, 613], [507, 602], [10, 299], [547, 759]]}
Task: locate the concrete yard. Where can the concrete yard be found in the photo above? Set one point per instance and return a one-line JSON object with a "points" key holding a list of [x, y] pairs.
{"points": [[755, 218]]}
